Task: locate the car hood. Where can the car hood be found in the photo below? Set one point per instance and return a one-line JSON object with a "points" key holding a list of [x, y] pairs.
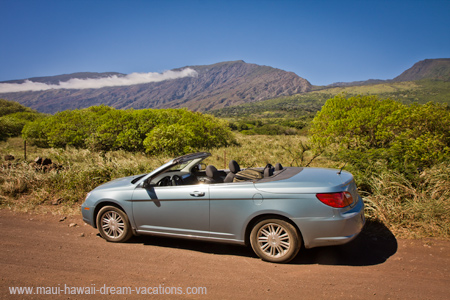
{"points": [[309, 180], [118, 183]]}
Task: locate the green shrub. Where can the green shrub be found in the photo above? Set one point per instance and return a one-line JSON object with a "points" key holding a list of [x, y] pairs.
{"points": [[9, 128], [11, 107], [192, 132], [102, 128], [13, 117], [364, 130]]}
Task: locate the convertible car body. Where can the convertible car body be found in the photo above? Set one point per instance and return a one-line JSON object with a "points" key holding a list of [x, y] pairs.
{"points": [[276, 214]]}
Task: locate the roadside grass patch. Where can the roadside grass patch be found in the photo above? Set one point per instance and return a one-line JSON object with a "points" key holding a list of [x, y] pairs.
{"points": [[412, 209]]}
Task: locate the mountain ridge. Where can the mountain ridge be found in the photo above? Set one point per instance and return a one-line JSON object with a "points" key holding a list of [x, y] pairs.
{"points": [[215, 86]]}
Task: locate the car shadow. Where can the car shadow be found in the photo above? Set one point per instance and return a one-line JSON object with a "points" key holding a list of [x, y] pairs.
{"points": [[374, 245], [194, 245]]}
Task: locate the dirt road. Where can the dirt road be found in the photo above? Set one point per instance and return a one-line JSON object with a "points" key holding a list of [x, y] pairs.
{"points": [[59, 261]]}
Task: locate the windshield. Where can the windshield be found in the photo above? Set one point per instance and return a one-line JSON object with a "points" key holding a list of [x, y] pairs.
{"points": [[179, 167]]}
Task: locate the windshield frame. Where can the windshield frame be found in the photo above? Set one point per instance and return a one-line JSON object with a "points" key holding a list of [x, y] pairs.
{"points": [[190, 160]]}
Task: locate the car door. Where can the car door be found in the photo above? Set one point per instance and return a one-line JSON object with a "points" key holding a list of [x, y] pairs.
{"points": [[231, 206], [172, 210]]}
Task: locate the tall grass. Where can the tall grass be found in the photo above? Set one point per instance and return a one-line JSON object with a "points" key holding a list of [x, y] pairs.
{"points": [[25, 187], [412, 209]]}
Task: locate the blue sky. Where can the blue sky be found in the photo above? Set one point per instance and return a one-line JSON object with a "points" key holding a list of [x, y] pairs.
{"points": [[321, 41]]}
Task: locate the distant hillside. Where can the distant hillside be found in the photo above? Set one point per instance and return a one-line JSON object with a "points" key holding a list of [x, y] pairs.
{"points": [[427, 69], [216, 86], [291, 107], [307, 104], [436, 69], [356, 83]]}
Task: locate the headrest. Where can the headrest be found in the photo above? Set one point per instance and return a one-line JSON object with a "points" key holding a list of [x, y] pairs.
{"points": [[278, 167], [210, 171], [234, 167], [268, 172]]}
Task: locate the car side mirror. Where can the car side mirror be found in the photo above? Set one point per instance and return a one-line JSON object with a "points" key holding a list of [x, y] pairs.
{"points": [[201, 167]]}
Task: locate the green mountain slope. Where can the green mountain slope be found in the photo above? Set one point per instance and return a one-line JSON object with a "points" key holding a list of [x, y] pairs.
{"points": [[295, 106], [427, 69]]}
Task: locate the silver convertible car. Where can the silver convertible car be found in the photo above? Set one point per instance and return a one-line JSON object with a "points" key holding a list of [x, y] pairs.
{"points": [[276, 213]]}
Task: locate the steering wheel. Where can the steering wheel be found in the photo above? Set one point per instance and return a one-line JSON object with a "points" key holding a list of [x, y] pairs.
{"points": [[165, 181], [177, 180]]}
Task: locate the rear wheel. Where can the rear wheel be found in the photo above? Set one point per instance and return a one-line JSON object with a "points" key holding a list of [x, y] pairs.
{"points": [[275, 240], [113, 224]]}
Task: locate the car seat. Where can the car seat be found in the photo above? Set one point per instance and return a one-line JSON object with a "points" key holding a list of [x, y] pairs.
{"points": [[234, 168], [213, 175]]}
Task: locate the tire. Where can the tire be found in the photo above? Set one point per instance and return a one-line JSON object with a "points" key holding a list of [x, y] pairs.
{"points": [[275, 240], [113, 224]]}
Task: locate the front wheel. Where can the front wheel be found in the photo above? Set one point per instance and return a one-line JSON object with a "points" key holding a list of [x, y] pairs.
{"points": [[113, 224], [275, 240]]}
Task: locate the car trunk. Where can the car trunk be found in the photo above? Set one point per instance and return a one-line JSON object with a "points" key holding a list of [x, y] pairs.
{"points": [[310, 180]]}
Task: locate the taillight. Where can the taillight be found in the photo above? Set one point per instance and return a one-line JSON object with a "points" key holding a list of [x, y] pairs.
{"points": [[337, 200]]}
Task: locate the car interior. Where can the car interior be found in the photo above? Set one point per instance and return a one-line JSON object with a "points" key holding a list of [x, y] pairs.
{"points": [[194, 172]]}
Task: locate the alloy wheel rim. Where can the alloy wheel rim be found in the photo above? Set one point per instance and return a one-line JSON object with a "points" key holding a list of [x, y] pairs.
{"points": [[274, 240], [113, 224]]}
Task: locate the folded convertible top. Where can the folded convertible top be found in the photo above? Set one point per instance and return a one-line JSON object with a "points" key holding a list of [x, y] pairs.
{"points": [[283, 174]]}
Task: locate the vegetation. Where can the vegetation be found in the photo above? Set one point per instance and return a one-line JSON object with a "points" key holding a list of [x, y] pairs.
{"points": [[412, 208], [364, 130], [13, 118], [303, 107], [25, 186], [270, 126], [169, 131], [400, 155], [280, 116], [11, 107], [290, 107], [407, 92]]}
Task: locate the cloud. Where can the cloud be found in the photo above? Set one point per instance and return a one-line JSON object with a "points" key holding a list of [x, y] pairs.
{"points": [[96, 83]]}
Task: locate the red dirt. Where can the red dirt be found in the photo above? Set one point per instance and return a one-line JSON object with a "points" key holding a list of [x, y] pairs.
{"points": [[42, 251]]}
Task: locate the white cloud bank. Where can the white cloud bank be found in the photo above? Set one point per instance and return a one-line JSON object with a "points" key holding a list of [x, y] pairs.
{"points": [[96, 83]]}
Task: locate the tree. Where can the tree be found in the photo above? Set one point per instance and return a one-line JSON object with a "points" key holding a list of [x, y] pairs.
{"points": [[365, 129]]}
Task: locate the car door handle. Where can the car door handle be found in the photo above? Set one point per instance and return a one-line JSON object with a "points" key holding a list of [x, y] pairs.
{"points": [[198, 194]]}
